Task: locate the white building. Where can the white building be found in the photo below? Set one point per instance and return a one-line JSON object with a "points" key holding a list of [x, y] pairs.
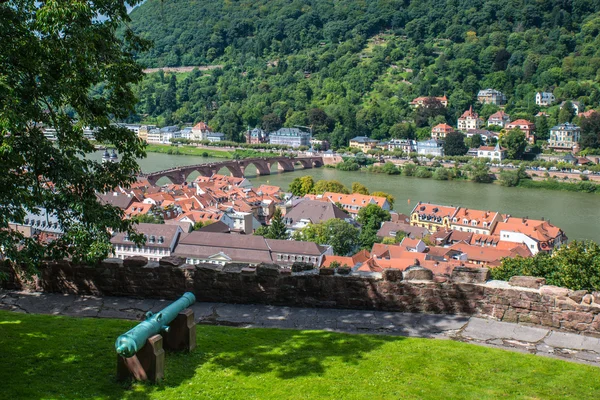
{"points": [[544, 99], [161, 240], [200, 131], [292, 137], [432, 146], [499, 118], [215, 137], [493, 153], [469, 120]]}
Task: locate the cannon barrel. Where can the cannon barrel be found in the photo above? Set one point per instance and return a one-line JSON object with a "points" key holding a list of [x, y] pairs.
{"points": [[133, 340]]}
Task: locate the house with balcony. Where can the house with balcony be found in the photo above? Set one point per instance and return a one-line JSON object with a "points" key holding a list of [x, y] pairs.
{"points": [[475, 221], [564, 137], [200, 131], [499, 118], [405, 145], [491, 96], [494, 153], [440, 131], [433, 217], [469, 120], [423, 101]]}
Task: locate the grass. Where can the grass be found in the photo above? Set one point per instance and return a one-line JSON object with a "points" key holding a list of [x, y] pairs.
{"points": [[188, 151], [60, 357]]}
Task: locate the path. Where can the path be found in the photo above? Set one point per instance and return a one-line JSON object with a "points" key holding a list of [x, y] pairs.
{"points": [[534, 340]]}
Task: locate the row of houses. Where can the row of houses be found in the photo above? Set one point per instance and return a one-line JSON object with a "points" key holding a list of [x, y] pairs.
{"points": [[456, 236], [292, 137], [563, 137], [536, 235], [496, 97]]}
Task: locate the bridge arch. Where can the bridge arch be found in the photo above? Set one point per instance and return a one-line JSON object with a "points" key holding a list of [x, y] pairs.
{"points": [[306, 163], [283, 164], [262, 166]]}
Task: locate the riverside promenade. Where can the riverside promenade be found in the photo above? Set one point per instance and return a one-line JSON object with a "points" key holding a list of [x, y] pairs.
{"points": [[504, 335]]}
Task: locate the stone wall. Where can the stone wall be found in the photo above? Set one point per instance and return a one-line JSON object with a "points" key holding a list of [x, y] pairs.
{"points": [[467, 291]]}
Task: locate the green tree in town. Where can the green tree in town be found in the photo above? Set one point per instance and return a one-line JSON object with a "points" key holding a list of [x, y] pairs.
{"points": [[454, 144], [62, 67], [359, 188], [566, 113], [342, 236], [515, 143], [590, 132], [474, 141], [542, 128], [148, 219], [370, 218], [302, 186], [409, 169], [480, 172], [277, 229], [442, 174], [271, 123], [334, 186]]}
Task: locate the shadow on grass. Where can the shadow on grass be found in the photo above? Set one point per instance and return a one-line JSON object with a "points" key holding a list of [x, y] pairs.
{"points": [[50, 357]]}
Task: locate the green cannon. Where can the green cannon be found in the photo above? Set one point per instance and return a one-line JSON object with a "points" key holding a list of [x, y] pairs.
{"points": [[133, 340]]}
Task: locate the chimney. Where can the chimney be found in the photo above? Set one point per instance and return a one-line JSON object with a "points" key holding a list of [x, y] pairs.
{"points": [[417, 262]]}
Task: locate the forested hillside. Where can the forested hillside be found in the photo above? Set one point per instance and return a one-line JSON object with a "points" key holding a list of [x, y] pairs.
{"points": [[351, 67]]}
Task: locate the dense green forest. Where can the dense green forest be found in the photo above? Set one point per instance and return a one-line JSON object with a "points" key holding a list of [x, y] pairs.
{"points": [[351, 67]]}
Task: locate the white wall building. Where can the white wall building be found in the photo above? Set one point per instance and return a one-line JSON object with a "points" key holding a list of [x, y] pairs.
{"points": [[161, 240]]}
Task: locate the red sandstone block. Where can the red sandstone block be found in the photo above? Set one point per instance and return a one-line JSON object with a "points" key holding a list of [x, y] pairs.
{"points": [[577, 316], [531, 296], [554, 291], [577, 296], [527, 281], [510, 316], [521, 304], [529, 318]]}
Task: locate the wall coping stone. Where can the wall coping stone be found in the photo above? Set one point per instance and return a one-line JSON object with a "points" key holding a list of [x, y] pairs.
{"points": [[527, 281]]}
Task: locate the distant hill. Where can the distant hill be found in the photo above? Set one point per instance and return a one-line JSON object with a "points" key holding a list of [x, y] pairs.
{"points": [[351, 67]]}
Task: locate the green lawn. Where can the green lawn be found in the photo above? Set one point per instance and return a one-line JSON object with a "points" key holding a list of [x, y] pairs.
{"points": [[59, 357], [189, 151]]}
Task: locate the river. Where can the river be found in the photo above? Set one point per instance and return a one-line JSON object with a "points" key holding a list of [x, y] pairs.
{"points": [[576, 213]]}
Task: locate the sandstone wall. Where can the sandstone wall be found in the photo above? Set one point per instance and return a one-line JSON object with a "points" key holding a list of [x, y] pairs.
{"points": [[467, 291]]}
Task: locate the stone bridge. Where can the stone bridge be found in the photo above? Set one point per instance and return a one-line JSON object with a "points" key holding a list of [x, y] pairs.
{"points": [[179, 175]]}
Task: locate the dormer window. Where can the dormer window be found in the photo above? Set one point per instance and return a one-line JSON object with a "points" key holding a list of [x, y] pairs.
{"points": [[465, 221], [474, 223]]}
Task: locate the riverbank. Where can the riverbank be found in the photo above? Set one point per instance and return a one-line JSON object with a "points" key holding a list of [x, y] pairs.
{"points": [[451, 173]]}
